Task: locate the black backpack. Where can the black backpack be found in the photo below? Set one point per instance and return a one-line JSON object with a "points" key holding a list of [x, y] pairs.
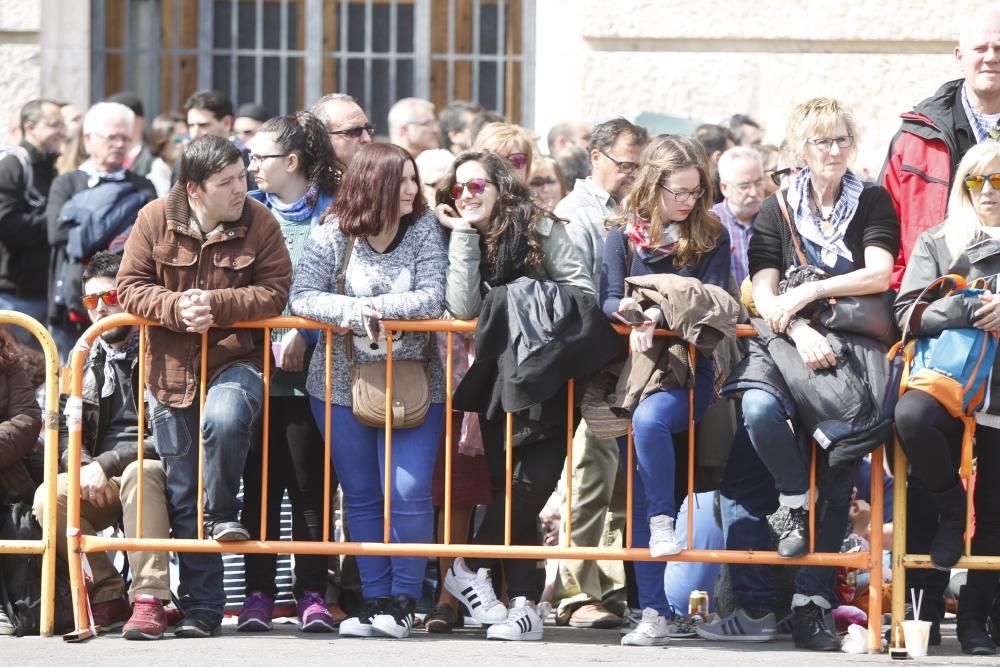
{"points": [[21, 576]]}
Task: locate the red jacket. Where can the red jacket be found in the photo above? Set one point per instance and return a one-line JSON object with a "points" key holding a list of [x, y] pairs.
{"points": [[921, 164]]}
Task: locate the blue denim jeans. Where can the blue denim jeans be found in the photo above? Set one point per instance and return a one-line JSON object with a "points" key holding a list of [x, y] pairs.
{"points": [[750, 492], [232, 416], [359, 457], [654, 422]]}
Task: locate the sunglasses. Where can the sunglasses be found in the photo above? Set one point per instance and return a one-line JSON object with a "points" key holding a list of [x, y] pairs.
{"points": [[475, 186], [519, 160], [976, 183], [779, 174], [355, 132], [542, 181], [90, 301]]}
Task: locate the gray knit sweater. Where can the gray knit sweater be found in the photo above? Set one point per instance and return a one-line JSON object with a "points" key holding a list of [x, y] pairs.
{"points": [[407, 283]]}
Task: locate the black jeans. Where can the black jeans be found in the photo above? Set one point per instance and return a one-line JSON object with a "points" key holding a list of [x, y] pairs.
{"points": [[932, 440], [296, 463], [536, 469]]}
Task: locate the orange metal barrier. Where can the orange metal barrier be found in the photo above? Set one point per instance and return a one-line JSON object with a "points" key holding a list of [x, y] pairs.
{"points": [[50, 424], [82, 544]]}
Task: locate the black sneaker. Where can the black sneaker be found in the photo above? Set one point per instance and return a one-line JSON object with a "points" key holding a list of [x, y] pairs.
{"points": [[226, 531], [809, 629], [794, 541], [396, 618], [361, 625], [974, 638], [197, 624]]}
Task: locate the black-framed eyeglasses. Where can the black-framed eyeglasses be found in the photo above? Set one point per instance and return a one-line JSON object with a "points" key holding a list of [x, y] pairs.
{"points": [[624, 167], [683, 195], [825, 145], [976, 182], [259, 159], [355, 132], [779, 174]]}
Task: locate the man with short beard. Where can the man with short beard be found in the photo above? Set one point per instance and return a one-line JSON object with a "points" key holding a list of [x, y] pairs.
{"points": [[199, 260], [109, 473], [741, 178]]}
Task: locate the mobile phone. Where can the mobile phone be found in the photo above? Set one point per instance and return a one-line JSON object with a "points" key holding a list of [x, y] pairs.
{"points": [[373, 327], [632, 317]]}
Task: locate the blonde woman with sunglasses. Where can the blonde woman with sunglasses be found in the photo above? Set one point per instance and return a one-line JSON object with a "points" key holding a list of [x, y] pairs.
{"points": [[967, 244]]}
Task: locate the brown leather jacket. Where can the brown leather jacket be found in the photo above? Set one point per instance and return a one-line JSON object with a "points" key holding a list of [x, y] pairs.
{"points": [[20, 423], [244, 265]]}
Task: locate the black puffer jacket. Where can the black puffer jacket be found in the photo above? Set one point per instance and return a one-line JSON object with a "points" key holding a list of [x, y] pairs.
{"points": [[847, 409]]}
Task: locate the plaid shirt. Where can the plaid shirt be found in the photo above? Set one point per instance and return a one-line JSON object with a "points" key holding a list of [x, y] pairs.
{"points": [[980, 126], [739, 241]]}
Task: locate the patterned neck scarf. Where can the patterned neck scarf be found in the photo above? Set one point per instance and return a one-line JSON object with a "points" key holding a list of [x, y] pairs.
{"points": [[299, 210], [111, 355], [980, 127], [637, 229], [828, 236]]}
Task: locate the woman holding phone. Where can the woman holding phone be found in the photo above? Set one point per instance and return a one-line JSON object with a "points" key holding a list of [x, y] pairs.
{"points": [[396, 265], [666, 227]]}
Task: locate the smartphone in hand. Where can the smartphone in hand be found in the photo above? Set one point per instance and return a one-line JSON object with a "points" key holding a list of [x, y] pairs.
{"points": [[633, 317], [373, 327]]}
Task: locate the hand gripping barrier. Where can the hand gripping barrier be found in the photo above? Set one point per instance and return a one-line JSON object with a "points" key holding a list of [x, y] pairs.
{"points": [[82, 544], [50, 424]]}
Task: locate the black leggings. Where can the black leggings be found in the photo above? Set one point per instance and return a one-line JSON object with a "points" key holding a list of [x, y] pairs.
{"points": [[536, 469], [296, 462], [932, 440]]}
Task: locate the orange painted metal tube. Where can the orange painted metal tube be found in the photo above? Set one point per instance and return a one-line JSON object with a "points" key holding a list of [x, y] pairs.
{"points": [[875, 549], [812, 499], [690, 475], [74, 423], [46, 546], [328, 379], [387, 494], [141, 409], [570, 386], [265, 428], [202, 393], [448, 443], [508, 477], [629, 487]]}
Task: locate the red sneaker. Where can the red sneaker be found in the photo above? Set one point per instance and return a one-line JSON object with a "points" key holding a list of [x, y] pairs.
{"points": [[110, 614], [148, 619]]}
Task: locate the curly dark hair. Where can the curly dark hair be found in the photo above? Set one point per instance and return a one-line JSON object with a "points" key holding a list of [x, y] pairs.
{"points": [[305, 135], [514, 208]]}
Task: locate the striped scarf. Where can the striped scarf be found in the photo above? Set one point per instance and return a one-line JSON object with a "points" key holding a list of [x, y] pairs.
{"points": [[637, 229]]}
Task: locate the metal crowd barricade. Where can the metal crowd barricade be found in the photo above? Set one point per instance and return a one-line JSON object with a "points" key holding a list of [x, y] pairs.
{"points": [[50, 424], [83, 544]]}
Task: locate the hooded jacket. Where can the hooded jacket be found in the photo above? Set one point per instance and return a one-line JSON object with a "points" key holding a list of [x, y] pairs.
{"points": [[921, 164], [20, 423]]}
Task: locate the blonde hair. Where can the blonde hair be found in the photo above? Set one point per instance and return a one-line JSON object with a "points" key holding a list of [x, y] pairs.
{"points": [[496, 137], [665, 155], [818, 117], [545, 164], [961, 225]]}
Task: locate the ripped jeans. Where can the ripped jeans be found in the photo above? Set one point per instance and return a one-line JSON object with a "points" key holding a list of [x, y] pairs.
{"points": [[232, 416]]}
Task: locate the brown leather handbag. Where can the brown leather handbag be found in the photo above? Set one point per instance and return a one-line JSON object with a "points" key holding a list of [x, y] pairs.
{"points": [[411, 387]]}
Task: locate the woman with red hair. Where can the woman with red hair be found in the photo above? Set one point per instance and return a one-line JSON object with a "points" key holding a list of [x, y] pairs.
{"points": [[396, 264]]}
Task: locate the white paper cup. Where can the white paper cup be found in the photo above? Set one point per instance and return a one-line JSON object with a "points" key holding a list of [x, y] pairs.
{"points": [[916, 634]]}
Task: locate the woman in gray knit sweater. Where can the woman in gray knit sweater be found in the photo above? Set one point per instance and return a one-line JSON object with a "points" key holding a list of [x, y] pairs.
{"points": [[396, 270]]}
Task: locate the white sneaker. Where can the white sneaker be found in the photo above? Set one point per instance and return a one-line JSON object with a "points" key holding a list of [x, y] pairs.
{"points": [[651, 631], [522, 624], [6, 627], [662, 538], [475, 591]]}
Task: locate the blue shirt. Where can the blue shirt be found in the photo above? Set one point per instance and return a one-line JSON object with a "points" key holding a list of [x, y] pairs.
{"points": [[711, 269]]}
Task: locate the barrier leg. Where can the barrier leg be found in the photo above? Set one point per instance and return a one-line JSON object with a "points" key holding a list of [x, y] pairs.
{"points": [[875, 549], [898, 542]]}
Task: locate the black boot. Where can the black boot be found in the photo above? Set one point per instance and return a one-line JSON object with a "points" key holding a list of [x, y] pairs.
{"points": [[949, 544], [794, 540], [809, 629], [974, 604]]}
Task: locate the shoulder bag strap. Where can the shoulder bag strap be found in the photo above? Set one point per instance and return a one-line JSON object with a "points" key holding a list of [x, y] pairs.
{"points": [[791, 228], [341, 279]]}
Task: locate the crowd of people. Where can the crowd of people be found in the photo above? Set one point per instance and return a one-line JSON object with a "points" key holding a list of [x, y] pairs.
{"points": [[212, 216]]}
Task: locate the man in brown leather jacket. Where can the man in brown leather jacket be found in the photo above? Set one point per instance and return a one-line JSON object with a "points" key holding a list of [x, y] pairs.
{"points": [[200, 259]]}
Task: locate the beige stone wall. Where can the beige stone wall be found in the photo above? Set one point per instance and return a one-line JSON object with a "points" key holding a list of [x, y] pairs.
{"points": [[20, 57], [707, 61]]}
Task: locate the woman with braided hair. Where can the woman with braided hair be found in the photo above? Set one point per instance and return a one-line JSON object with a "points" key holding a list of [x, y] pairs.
{"points": [[292, 162]]}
